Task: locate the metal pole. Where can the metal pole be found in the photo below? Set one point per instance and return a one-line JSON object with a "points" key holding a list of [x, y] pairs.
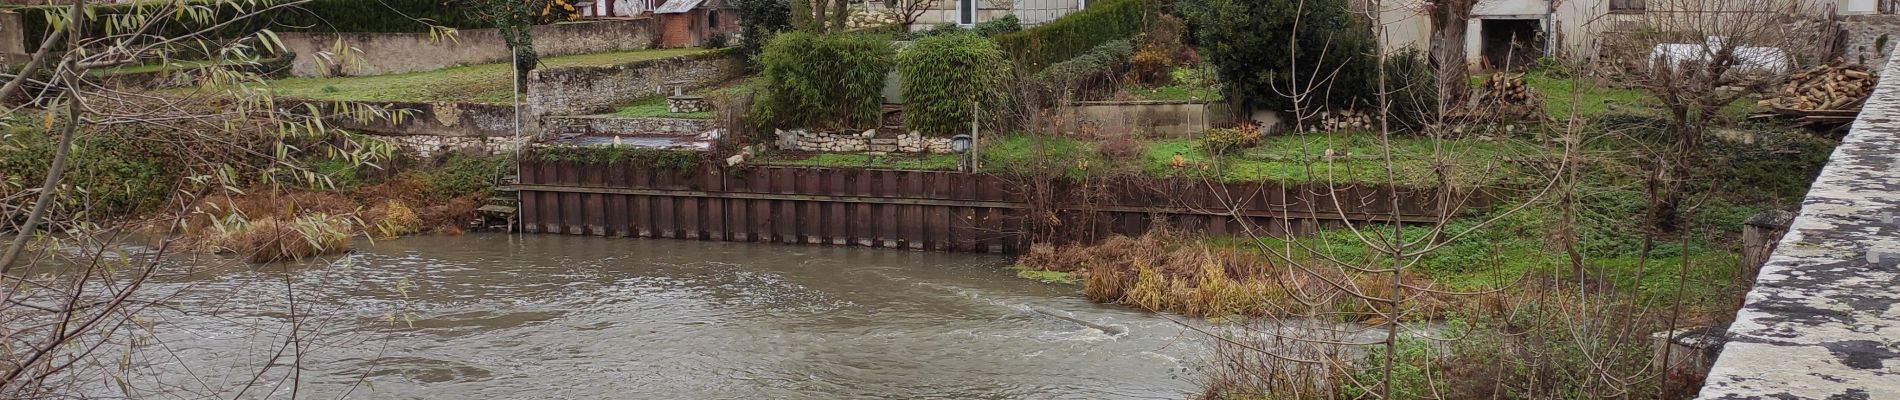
{"points": [[514, 57]]}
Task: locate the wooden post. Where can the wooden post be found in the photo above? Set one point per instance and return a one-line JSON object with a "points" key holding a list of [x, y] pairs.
{"points": [[1759, 235], [975, 163]]}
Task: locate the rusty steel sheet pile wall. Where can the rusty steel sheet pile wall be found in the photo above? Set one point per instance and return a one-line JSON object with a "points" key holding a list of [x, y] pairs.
{"points": [[926, 210]]}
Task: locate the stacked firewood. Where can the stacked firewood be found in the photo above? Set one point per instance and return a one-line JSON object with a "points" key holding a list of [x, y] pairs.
{"points": [[1346, 119], [1501, 97], [1504, 90], [1833, 87], [1826, 96]]}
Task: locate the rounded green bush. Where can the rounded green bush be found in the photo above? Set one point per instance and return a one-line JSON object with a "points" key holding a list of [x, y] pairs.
{"points": [[943, 75], [823, 81]]}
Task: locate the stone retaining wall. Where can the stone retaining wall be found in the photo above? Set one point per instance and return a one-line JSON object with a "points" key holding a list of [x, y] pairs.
{"points": [[610, 125], [594, 90], [375, 53], [1864, 43], [1823, 319], [867, 141], [437, 119]]}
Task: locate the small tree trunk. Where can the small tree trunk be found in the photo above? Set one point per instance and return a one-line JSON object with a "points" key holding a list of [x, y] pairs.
{"points": [[839, 11], [1448, 49]]}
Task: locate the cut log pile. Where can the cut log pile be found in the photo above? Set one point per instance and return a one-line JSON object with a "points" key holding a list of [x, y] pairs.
{"points": [[1504, 89], [1505, 96], [1341, 120], [1826, 94]]}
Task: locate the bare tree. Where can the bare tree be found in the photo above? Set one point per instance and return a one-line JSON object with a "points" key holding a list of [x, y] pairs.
{"points": [[1449, 22], [74, 302], [1696, 57]]}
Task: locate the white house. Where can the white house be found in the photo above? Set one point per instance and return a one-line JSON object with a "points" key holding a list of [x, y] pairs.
{"points": [[1513, 32], [972, 12]]}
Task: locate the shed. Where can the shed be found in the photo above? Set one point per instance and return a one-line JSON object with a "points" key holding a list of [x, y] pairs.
{"points": [[689, 23]]}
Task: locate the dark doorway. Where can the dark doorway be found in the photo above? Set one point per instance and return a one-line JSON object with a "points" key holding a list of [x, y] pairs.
{"points": [[1512, 44]]}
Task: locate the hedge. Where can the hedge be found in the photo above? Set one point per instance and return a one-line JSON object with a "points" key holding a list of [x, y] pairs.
{"points": [[823, 81], [1077, 32], [314, 16], [1084, 75], [943, 75]]}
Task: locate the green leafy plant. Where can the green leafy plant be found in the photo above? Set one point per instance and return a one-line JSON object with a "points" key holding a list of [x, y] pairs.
{"points": [[946, 78], [655, 158], [462, 175], [1076, 33], [998, 26], [823, 81], [1268, 51], [1412, 89], [1221, 140], [1088, 73], [759, 21]]}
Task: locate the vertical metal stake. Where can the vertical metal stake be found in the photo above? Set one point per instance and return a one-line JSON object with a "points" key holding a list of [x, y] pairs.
{"points": [[514, 57]]}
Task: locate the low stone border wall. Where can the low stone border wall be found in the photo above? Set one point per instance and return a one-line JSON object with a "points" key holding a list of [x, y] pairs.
{"points": [[594, 90], [609, 125], [373, 53], [437, 119], [1822, 318], [867, 141]]}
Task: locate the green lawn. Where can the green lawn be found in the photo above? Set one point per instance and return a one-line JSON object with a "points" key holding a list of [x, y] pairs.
{"points": [[1189, 84], [156, 67], [1356, 157], [655, 107], [932, 162], [1291, 158], [1561, 95], [485, 83]]}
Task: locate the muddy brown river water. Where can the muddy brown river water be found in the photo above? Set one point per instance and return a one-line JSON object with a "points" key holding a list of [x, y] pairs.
{"points": [[541, 316]]}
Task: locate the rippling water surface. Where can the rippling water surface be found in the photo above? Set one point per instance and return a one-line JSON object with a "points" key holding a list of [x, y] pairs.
{"points": [[499, 316]]}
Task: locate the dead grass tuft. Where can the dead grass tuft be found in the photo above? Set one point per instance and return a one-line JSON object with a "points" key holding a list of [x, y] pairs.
{"points": [[1158, 273]]}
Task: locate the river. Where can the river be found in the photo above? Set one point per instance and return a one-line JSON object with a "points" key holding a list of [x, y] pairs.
{"points": [[543, 316]]}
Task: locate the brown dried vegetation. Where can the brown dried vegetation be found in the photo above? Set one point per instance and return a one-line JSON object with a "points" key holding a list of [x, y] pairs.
{"points": [[1159, 271]]}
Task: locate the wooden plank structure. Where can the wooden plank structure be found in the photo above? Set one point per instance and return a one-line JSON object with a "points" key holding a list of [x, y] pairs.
{"points": [[927, 210]]}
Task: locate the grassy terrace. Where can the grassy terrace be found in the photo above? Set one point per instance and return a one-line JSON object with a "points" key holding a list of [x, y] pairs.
{"points": [[485, 83], [1290, 158], [655, 107]]}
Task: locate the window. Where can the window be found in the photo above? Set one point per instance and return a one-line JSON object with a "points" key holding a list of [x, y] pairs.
{"points": [[1629, 6], [966, 12], [712, 19]]}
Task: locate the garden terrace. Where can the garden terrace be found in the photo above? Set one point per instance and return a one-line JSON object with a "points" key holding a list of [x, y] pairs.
{"points": [[1289, 158], [485, 83]]}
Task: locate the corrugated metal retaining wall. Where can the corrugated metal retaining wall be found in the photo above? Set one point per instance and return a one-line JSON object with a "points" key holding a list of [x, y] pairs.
{"points": [[923, 209]]}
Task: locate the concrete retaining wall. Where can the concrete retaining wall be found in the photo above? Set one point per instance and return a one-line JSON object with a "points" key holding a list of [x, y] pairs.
{"points": [[592, 90], [1823, 319], [361, 53], [1145, 118]]}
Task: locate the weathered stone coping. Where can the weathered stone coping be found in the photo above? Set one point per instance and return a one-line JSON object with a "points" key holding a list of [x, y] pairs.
{"points": [[1823, 320]]}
